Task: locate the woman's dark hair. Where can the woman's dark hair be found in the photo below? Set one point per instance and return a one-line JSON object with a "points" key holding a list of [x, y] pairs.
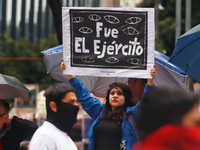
{"points": [[163, 106], [118, 113]]}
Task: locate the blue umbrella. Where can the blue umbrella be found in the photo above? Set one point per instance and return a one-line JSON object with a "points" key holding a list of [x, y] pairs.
{"points": [[186, 54], [167, 73]]}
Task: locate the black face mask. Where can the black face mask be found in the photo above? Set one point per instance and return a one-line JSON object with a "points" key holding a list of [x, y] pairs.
{"points": [[65, 117]]}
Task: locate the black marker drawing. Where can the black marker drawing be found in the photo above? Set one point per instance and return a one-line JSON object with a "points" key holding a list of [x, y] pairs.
{"points": [[94, 17], [112, 60], [111, 19], [134, 61], [77, 19], [87, 59], [108, 39], [85, 30], [129, 30], [133, 20]]}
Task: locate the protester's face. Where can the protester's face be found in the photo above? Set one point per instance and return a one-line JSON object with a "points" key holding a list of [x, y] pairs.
{"points": [[192, 117], [70, 98], [137, 87], [3, 117], [116, 98]]}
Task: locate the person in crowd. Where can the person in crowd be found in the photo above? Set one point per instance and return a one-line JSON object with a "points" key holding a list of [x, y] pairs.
{"points": [[13, 130], [111, 129], [137, 86], [169, 119], [62, 109]]}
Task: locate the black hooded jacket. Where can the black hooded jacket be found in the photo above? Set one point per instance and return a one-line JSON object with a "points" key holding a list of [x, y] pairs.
{"points": [[20, 130]]}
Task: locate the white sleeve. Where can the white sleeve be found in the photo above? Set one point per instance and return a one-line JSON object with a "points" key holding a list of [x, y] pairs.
{"points": [[42, 142]]}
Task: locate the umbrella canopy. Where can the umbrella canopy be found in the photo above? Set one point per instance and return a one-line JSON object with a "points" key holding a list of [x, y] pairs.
{"points": [[167, 73], [11, 87], [186, 54]]}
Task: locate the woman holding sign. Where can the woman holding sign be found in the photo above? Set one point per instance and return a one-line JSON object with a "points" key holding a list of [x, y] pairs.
{"points": [[113, 127]]}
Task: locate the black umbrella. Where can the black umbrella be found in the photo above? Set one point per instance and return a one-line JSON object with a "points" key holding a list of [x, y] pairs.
{"points": [[11, 87]]}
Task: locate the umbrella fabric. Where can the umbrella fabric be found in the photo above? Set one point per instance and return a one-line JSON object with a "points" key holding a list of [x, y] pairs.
{"points": [[167, 73], [11, 87], [96, 85], [186, 54]]}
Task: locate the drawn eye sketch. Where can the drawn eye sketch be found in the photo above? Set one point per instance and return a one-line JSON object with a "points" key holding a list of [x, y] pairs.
{"points": [[112, 60], [94, 17], [129, 30], [133, 20], [87, 59], [134, 61], [111, 19], [77, 19], [85, 30]]}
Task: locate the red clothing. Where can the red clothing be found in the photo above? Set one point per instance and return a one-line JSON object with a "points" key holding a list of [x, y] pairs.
{"points": [[171, 137], [1, 148]]}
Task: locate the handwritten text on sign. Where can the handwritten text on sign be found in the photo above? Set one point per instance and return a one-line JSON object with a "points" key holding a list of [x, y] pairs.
{"points": [[108, 39]]}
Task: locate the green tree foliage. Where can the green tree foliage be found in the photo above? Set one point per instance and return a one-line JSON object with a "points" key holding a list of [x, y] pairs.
{"points": [[165, 40], [27, 71]]}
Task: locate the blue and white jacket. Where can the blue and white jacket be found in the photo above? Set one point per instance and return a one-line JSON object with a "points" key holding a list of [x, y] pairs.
{"points": [[94, 107]]}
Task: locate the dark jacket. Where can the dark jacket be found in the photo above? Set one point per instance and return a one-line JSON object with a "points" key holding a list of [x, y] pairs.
{"points": [[20, 130]]}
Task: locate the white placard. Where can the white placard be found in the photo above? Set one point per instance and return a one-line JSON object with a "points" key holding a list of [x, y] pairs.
{"points": [[108, 42]]}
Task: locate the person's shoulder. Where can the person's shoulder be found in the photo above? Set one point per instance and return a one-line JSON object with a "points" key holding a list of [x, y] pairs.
{"points": [[48, 128], [44, 130], [41, 140], [49, 131], [17, 119], [16, 122]]}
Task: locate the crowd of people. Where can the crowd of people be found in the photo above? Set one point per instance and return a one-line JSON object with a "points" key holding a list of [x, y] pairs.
{"points": [[134, 116]]}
